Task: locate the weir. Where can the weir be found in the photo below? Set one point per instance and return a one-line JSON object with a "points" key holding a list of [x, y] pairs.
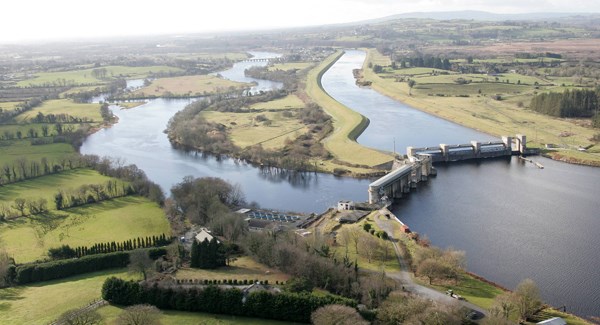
{"points": [[419, 165]]}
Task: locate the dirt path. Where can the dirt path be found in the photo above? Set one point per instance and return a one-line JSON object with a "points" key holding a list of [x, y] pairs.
{"points": [[405, 275]]}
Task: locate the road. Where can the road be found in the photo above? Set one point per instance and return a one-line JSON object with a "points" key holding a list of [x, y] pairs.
{"points": [[405, 275]]}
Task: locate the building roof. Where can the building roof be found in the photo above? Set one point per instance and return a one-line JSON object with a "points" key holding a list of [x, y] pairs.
{"points": [[204, 234]]}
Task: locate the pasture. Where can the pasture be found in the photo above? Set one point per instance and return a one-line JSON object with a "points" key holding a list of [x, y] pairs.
{"points": [[85, 77], [188, 86], [270, 129], [41, 303], [64, 106], [12, 150], [288, 102]]}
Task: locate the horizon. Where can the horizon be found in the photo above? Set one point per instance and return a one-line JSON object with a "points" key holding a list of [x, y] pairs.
{"points": [[65, 20]]}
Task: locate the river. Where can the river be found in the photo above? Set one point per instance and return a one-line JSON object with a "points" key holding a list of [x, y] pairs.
{"points": [[513, 220]]}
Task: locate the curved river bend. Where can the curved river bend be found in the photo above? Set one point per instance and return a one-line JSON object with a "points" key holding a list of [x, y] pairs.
{"points": [[513, 220]]}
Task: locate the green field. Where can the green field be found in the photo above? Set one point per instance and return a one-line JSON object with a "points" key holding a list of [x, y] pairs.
{"points": [[64, 106], [169, 317], [348, 124], [288, 102], [188, 86], [44, 302], [47, 186], [29, 238], [85, 76], [12, 150], [245, 130]]}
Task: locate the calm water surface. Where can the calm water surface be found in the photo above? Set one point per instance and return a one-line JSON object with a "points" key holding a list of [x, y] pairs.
{"points": [[513, 220]]}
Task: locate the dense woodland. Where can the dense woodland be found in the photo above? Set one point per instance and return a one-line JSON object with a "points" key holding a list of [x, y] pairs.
{"points": [[570, 103]]}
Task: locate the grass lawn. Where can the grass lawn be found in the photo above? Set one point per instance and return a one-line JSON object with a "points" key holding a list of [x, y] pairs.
{"points": [[242, 268], [348, 124], [43, 302], [64, 106], [288, 102], [188, 85], [85, 77], [291, 66], [170, 317], [488, 115], [28, 239], [246, 131], [11, 150], [473, 290]]}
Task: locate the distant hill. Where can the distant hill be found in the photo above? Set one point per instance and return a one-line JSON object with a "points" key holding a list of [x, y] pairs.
{"points": [[482, 15]]}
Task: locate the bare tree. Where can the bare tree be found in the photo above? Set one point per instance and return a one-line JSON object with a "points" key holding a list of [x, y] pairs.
{"points": [[503, 305], [80, 317], [527, 298], [5, 263], [337, 314], [20, 205], [139, 261], [368, 246], [139, 315]]}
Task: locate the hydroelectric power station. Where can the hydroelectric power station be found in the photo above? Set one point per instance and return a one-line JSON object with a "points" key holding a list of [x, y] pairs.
{"points": [[419, 165]]}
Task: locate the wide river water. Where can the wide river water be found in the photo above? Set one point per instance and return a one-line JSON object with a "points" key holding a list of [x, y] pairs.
{"points": [[513, 220]]}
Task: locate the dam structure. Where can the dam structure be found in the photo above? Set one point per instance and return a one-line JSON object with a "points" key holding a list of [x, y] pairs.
{"points": [[419, 164]]}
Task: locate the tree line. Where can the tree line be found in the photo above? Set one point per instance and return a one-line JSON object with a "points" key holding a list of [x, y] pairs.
{"points": [[45, 271], [8, 115], [66, 251], [435, 62], [23, 169], [570, 103], [286, 306], [91, 193]]}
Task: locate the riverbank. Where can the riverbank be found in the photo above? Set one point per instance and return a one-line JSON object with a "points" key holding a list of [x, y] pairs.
{"points": [[483, 113]]}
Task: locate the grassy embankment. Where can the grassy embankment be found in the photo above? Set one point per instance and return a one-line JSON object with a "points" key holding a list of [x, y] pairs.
{"points": [[439, 95], [348, 124], [29, 238], [187, 86]]}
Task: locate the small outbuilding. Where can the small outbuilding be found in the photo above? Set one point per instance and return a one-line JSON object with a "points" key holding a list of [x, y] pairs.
{"points": [[204, 234]]}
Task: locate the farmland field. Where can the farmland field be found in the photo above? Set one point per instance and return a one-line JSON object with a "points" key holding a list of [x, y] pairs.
{"points": [[44, 302], [246, 130], [188, 85], [86, 77], [64, 106]]}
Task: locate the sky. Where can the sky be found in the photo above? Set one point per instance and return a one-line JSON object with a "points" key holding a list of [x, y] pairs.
{"points": [[30, 20]]}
